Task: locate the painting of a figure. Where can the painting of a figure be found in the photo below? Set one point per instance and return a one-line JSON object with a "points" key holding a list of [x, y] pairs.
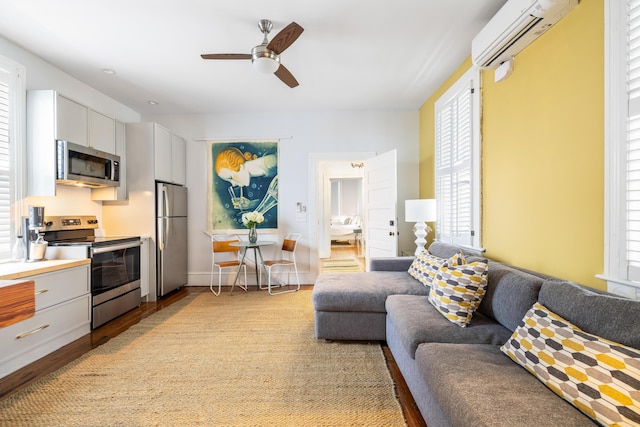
{"points": [[243, 177]]}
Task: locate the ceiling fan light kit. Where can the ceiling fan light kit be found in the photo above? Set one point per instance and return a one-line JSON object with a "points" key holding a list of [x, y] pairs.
{"points": [[264, 60], [265, 57]]}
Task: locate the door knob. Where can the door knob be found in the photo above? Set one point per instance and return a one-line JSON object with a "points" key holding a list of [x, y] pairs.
{"points": [[391, 233]]}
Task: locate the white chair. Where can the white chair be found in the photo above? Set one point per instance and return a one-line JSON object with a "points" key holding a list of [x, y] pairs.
{"points": [[286, 262], [225, 256]]}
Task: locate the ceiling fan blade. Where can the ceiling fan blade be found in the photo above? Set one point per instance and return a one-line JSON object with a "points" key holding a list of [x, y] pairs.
{"points": [[283, 74], [226, 56], [285, 38]]}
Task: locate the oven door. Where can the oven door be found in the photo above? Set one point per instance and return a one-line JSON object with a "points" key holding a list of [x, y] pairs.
{"points": [[115, 270]]}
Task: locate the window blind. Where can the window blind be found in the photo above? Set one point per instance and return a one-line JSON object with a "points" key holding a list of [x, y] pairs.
{"points": [[5, 165], [633, 141], [453, 162]]}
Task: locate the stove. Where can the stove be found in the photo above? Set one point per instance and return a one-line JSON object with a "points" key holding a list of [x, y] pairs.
{"points": [[115, 263], [78, 231]]}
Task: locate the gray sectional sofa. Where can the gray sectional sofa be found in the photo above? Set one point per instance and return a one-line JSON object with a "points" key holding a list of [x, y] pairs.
{"points": [[459, 376]]}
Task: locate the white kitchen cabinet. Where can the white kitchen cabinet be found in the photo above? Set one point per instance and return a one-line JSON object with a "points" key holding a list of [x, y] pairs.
{"points": [[178, 160], [116, 193], [168, 155], [102, 132], [63, 314], [50, 117], [163, 152], [71, 119]]}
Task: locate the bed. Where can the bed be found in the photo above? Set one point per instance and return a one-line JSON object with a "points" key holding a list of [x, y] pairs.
{"points": [[343, 227]]}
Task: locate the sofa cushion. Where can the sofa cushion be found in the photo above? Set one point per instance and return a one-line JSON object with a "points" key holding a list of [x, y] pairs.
{"points": [[457, 290], [398, 263], [364, 292], [509, 294], [597, 313], [599, 377], [477, 385], [425, 266], [417, 322]]}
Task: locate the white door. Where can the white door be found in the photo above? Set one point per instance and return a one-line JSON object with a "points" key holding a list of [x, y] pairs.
{"points": [[380, 186]]}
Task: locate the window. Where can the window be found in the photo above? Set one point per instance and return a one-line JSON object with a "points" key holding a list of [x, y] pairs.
{"points": [[457, 162], [622, 147], [11, 136]]}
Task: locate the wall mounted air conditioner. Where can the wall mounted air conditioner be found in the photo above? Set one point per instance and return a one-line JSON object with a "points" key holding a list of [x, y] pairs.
{"points": [[517, 23]]}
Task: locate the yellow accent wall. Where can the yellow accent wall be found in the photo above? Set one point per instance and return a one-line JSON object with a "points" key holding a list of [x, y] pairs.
{"points": [[542, 152]]}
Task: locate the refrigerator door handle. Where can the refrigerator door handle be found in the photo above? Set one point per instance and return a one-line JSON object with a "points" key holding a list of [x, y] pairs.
{"points": [[162, 217], [166, 231], [165, 202], [161, 233]]}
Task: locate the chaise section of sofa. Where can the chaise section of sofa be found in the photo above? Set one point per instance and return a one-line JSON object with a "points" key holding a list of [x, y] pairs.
{"points": [[351, 306]]}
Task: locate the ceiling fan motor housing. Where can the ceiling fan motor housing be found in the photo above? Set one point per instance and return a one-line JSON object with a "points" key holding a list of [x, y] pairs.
{"points": [[265, 26]]}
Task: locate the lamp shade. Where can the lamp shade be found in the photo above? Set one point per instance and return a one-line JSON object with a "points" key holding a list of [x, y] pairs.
{"points": [[420, 210]]}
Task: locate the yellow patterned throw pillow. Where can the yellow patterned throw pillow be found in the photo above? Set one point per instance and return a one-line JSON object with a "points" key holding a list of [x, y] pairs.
{"points": [[425, 266], [599, 377], [458, 289]]}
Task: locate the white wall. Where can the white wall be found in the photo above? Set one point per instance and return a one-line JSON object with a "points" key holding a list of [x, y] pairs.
{"points": [[306, 136], [42, 75]]}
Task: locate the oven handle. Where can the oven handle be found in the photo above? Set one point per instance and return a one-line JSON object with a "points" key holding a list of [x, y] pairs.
{"points": [[115, 247]]}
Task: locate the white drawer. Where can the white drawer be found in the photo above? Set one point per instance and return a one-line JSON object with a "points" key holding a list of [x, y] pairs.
{"points": [[62, 285], [50, 329]]}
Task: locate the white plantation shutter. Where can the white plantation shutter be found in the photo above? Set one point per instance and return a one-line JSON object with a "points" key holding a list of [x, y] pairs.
{"points": [[633, 141], [11, 124], [5, 167], [456, 160]]}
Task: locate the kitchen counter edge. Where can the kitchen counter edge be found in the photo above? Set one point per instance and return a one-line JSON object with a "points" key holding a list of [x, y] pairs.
{"points": [[14, 271]]}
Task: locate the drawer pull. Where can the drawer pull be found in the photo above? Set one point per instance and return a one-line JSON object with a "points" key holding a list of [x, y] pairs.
{"points": [[42, 291], [33, 331]]}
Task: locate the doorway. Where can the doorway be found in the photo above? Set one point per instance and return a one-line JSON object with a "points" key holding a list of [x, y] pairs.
{"points": [[323, 167], [346, 225]]}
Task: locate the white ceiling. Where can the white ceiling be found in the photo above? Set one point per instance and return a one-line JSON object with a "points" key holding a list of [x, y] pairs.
{"points": [[353, 54]]}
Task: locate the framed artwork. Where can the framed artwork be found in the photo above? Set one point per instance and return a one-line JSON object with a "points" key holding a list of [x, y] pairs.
{"points": [[242, 177]]}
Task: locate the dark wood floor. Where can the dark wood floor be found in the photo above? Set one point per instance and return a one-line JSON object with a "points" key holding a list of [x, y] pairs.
{"points": [[29, 374]]}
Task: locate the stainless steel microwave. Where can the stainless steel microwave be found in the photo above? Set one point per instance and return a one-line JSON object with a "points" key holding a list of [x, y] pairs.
{"points": [[85, 166]]}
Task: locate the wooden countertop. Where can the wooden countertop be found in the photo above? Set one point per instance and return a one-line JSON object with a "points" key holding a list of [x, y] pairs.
{"points": [[17, 301], [19, 270]]}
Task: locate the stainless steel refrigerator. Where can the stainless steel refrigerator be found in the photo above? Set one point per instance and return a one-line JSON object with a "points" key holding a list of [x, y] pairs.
{"points": [[171, 237]]}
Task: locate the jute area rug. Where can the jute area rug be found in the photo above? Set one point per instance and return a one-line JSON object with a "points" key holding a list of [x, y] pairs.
{"points": [[244, 360], [345, 265]]}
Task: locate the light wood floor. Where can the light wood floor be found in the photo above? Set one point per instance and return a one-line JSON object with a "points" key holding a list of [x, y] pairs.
{"points": [[31, 373], [346, 251]]}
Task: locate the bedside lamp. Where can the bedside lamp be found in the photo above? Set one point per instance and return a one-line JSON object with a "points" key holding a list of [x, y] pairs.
{"points": [[420, 211]]}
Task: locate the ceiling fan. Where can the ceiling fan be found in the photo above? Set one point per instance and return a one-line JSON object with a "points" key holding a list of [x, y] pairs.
{"points": [[266, 56]]}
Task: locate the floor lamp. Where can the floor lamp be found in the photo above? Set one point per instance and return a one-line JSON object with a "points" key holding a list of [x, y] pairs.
{"points": [[420, 211]]}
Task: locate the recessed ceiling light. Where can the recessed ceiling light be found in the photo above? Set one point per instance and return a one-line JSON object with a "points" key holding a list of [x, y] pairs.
{"points": [[153, 102], [108, 71]]}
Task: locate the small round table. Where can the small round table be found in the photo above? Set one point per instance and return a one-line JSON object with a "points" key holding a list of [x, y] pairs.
{"points": [[256, 253]]}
